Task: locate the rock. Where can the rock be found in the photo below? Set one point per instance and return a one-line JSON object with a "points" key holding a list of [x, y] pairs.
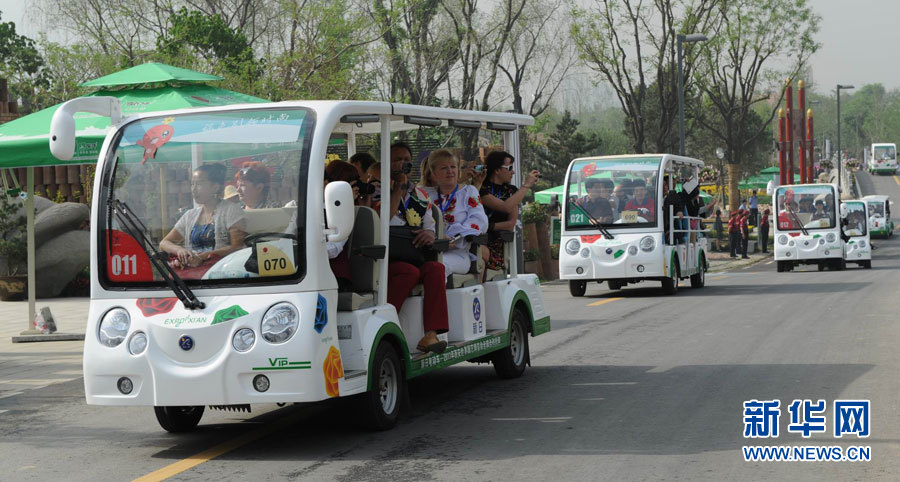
{"points": [[59, 260], [58, 219]]}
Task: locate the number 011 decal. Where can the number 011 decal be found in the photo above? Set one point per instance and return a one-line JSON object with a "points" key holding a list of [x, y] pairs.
{"points": [[126, 261]]}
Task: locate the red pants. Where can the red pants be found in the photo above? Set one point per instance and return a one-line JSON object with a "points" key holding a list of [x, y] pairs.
{"points": [[402, 277]]}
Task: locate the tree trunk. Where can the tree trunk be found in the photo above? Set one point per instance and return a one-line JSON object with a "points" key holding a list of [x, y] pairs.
{"points": [[734, 195], [543, 241]]}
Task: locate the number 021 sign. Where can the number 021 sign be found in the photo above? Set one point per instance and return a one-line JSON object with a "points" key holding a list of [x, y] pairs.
{"points": [[126, 260]]}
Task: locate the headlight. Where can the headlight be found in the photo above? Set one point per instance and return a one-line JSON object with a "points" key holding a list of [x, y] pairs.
{"points": [[830, 237], [243, 339], [647, 243], [782, 239], [137, 343], [114, 327], [862, 243], [279, 323], [572, 246], [632, 250], [585, 253]]}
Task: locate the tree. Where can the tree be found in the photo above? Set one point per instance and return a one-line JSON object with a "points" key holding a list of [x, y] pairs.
{"points": [[21, 64], [632, 45], [564, 145], [736, 63]]}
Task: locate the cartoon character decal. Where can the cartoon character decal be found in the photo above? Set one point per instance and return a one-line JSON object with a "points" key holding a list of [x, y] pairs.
{"points": [[155, 138], [321, 314], [333, 370], [156, 306]]}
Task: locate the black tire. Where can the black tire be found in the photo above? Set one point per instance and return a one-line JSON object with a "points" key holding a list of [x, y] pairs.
{"points": [[821, 266], [867, 264], [510, 361], [577, 288], [699, 280], [380, 407], [614, 284], [178, 419], [670, 285], [779, 266], [840, 265]]}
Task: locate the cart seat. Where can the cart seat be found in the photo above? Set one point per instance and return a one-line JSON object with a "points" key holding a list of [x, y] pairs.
{"points": [[364, 258]]}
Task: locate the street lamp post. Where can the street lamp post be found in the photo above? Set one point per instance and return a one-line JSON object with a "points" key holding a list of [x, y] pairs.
{"points": [[839, 160], [694, 37]]}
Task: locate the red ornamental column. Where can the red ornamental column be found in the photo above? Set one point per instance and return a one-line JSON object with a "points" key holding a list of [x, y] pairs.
{"points": [[801, 101], [811, 145], [789, 100], [782, 165]]}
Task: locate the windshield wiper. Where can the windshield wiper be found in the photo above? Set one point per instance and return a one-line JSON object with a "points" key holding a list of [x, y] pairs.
{"points": [[799, 223], [598, 224], [137, 230]]}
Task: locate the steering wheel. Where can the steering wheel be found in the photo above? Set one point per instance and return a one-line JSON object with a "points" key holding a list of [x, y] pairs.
{"points": [[249, 241]]}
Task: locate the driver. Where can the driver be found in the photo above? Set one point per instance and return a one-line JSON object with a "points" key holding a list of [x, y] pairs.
{"points": [[820, 211], [787, 216], [596, 202], [641, 201], [208, 232]]}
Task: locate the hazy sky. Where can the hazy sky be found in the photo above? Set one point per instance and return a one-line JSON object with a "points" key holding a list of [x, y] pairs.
{"points": [[859, 38]]}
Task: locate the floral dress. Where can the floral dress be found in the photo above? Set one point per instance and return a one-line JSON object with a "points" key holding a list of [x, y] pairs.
{"points": [[495, 244], [463, 215]]}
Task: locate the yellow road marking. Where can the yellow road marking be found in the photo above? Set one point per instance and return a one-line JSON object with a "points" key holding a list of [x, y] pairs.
{"points": [[603, 302], [718, 277], [897, 179], [207, 455]]}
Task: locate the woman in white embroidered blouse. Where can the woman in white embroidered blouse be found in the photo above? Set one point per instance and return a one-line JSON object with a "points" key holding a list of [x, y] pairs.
{"points": [[460, 207]]}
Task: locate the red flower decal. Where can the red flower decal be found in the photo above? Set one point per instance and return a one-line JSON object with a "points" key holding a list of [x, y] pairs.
{"points": [[473, 202], [156, 306], [449, 218], [475, 227]]}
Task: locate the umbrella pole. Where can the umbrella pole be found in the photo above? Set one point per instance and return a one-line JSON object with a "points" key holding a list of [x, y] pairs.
{"points": [[29, 229]]}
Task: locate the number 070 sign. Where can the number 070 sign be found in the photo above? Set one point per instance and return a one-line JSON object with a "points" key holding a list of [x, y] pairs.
{"points": [[125, 260]]}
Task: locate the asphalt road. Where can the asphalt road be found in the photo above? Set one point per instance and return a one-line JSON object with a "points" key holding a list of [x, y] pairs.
{"points": [[628, 385]]}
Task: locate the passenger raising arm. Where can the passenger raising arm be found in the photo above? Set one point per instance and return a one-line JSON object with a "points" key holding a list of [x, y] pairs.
{"points": [[498, 194]]}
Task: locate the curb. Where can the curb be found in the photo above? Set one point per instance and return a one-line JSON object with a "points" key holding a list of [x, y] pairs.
{"points": [[48, 337], [738, 264]]}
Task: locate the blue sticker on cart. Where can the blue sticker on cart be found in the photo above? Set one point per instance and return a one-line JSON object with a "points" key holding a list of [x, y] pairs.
{"points": [[321, 314], [476, 309]]}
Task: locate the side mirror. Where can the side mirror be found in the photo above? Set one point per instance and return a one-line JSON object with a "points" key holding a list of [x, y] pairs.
{"points": [[770, 188], [62, 125], [844, 210], [339, 211]]}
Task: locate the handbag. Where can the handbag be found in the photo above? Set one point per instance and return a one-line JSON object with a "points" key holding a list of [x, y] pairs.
{"points": [[401, 246]]}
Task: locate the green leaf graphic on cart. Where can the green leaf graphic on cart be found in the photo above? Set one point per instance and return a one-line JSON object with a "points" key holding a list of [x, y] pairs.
{"points": [[228, 314]]}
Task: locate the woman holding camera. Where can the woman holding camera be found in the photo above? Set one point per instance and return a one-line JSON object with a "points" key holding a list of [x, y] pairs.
{"points": [[501, 201]]}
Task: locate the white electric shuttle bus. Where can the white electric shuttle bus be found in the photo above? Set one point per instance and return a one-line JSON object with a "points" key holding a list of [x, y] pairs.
{"points": [[882, 158], [806, 227], [857, 247], [625, 242], [268, 323], [880, 222]]}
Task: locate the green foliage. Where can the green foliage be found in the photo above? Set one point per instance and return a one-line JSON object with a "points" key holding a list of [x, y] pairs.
{"points": [[532, 255], [535, 213], [21, 63], [562, 145], [13, 245]]}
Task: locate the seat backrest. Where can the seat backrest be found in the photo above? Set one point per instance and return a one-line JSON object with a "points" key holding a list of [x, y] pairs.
{"points": [[365, 233], [268, 220]]}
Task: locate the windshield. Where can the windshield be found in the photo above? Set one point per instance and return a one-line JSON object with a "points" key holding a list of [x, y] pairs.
{"points": [[876, 208], [219, 195], [885, 152], [856, 224], [810, 207], [620, 192]]}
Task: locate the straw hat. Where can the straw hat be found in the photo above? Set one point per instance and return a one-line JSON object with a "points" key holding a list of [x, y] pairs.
{"points": [[230, 192]]}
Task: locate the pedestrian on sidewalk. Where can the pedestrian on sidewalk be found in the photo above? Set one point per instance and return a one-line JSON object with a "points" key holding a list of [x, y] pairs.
{"points": [[719, 228], [764, 231], [745, 233], [734, 233], [754, 209]]}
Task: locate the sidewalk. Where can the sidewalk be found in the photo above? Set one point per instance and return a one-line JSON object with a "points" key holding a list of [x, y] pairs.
{"points": [[30, 366], [722, 261]]}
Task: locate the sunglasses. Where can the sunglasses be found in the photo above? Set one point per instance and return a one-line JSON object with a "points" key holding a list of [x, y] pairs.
{"points": [[508, 168]]}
